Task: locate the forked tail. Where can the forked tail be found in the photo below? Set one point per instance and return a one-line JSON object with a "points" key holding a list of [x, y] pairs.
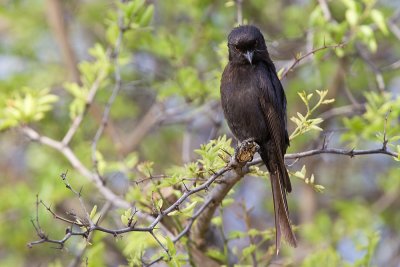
{"points": [[278, 176]]}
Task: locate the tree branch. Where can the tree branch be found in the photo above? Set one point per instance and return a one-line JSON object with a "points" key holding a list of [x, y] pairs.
{"points": [[298, 59], [76, 164]]}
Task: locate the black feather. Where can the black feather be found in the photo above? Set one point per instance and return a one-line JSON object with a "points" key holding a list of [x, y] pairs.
{"points": [[254, 105]]}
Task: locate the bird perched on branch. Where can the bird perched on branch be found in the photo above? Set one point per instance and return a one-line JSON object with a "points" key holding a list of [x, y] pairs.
{"points": [[254, 105]]}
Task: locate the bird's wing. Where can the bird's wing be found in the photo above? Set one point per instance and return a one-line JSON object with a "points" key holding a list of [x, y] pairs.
{"points": [[274, 110], [273, 104]]}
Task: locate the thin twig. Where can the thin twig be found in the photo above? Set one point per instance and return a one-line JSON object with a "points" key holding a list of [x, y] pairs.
{"points": [[76, 164], [298, 59], [239, 12], [89, 99], [117, 87], [325, 10], [346, 111], [385, 140]]}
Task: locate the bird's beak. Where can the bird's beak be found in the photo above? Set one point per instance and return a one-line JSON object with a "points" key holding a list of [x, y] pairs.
{"points": [[249, 56]]}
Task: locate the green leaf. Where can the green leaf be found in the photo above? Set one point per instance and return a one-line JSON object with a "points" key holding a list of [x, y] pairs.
{"points": [[146, 167], [28, 107], [125, 217], [131, 160], [93, 212], [146, 16], [236, 234], [303, 97], [189, 208], [280, 72], [380, 21], [328, 101], [112, 33], [319, 188], [160, 203], [217, 220], [227, 201], [216, 254], [250, 249], [351, 17], [170, 246]]}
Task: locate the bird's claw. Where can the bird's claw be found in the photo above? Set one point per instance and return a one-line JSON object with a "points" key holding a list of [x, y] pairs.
{"points": [[245, 151]]}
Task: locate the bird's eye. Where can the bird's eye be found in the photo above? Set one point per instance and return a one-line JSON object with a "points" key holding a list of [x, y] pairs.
{"points": [[237, 47]]}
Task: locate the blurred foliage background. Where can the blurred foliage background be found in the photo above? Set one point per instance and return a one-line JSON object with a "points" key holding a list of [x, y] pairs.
{"points": [[166, 64]]}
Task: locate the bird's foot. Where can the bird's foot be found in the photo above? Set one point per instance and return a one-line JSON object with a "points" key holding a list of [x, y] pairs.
{"points": [[245, 151]]}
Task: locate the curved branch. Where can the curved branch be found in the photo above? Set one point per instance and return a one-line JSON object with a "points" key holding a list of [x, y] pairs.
{"points": [[297, 59], [77, 164], [205, 213]]}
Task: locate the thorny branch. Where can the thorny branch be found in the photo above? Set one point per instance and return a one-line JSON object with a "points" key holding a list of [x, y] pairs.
{"points": [[299, 58], [89, 226], [230, 175]]}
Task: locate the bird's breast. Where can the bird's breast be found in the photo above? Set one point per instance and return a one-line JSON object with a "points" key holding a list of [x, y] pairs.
{"points": [[240, 101]]}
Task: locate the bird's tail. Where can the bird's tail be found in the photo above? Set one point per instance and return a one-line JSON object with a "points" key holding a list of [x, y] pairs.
{"points": [[279, 177]]}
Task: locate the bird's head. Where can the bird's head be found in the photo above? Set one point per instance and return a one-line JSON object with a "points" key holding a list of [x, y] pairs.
{"points": [[246, 45]]}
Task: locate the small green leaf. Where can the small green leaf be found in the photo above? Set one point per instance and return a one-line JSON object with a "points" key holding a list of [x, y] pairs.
{"points": [[303, 97], [190, 207], [379, 19], [146, 167], [147, 16], [170, 246], [227, 201], [93, 212], [160, 203], [217, 220], [328, 101], [125, 217], [253, 232], [236, 234], [216, 254], [229, 3], [319, 188], [280, 72], [250, 249], [112, 33], [351, 17]]}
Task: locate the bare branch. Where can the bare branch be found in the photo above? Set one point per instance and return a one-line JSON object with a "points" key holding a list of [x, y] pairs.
{"points": [[347, 111], [385, 140], [91, 227], [239, 12], [325, 9], [298, 59], [337, 151], [76, 164]]}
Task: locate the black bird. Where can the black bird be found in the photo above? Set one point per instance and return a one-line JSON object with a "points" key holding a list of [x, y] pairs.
{"points": [[254, 105]]}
